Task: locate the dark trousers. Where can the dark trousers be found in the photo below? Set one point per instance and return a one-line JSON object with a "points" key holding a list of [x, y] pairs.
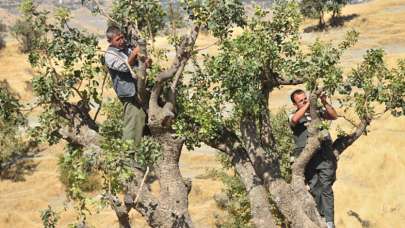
{"points": [[320, 174]]}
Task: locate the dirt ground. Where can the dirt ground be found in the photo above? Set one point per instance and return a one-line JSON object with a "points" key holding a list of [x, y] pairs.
{"points": [[370, 180]]}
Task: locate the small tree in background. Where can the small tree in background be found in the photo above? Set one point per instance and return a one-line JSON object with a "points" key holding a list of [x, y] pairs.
{"points": [[25, 34], [318, 9]]}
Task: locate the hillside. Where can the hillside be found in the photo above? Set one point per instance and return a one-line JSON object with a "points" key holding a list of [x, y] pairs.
{"points": [[370, 179]]}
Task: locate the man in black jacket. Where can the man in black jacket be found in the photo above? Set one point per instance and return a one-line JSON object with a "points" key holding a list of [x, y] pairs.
{"points": [[320, 172]]}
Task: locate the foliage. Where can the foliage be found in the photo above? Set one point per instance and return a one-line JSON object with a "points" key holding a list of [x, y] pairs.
{"points": [[111, 128], [68, 65], [3, 29], [284, 141], [67, 174], [147, 16], [11, 121], [229, 85], [24, 32], [49, 217], [237, 205], [372, 82]]}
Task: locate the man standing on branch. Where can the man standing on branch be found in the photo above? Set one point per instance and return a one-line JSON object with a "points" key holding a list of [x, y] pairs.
{"points": [[320, 172], [119, 58]]}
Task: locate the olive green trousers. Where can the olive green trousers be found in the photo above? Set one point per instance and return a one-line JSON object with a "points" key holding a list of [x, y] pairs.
{"points": [[134, 120]]}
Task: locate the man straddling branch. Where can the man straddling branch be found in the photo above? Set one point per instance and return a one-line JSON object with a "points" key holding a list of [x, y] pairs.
{"points": [[320, 172], [119, 58]]}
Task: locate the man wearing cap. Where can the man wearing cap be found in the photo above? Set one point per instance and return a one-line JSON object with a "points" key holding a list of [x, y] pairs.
{"points": [[320, 172]]}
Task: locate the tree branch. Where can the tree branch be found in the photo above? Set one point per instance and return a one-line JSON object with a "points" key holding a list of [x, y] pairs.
{"points": [[228, 143], [104, 13], [313, 142], [162, 116], [282, 81], [343, 142], [121, 211]]}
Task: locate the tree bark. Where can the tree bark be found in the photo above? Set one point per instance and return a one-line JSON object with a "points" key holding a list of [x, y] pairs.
{"points": [[257, 194], [173, 198]]}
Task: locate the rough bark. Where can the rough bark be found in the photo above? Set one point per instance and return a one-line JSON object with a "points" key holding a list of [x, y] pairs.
{"points": [[257, 194], [173, 198]]}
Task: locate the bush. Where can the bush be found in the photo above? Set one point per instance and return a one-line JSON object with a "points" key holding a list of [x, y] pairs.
{"points": [[25, 33], [11, 119], [91, 182]]}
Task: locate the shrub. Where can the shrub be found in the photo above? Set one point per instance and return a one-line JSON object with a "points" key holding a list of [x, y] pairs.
{"points": [[11, 119], [91, 181], [25, 33]]}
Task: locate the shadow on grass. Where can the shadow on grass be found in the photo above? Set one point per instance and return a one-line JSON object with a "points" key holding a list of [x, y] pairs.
{"points": [[20, 165], [341, 20], [364, 223], [332, 23]]}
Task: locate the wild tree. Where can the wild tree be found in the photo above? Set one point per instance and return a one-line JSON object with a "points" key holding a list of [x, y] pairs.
{"points": [[318, 9], [228, 99], [69, 84]]}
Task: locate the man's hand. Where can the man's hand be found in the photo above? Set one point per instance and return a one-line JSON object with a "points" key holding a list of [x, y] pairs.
{"points": [[323, 98], [133, 57], [331, 113], [148, 63]]}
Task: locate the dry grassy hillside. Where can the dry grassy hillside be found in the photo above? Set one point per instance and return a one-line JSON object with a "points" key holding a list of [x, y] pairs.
{"points": [[370, 178]]}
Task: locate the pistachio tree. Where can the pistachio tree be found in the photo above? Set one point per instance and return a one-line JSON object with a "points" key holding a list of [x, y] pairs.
{"points": [[226, 105], [318, 8], [69, 82]]}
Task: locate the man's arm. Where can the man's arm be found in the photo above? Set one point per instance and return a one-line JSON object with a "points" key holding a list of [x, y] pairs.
{"points": [[331, 113], [299, 114], [115, 61]]}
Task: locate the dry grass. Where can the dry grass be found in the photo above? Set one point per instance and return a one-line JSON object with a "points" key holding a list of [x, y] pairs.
{"points": [[370, 178]]}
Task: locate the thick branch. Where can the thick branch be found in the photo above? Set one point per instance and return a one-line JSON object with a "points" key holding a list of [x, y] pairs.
{"points": [[264, 166], [343, 142], [282, 81], [257, 194], [121, 211], [159, 116], [141, 71]]}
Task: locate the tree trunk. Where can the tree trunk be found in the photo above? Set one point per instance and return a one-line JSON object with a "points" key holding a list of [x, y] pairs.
{"points": [[258, 197], [173, 198]]}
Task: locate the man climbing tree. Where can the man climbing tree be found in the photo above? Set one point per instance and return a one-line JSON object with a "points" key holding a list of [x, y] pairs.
{"points": [[320, 172], [224, 105], [119, 58]]}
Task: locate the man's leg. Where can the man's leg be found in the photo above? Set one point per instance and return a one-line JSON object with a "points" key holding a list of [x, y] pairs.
{"points": [[313, 180], [326, 179], [134, 122]]}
